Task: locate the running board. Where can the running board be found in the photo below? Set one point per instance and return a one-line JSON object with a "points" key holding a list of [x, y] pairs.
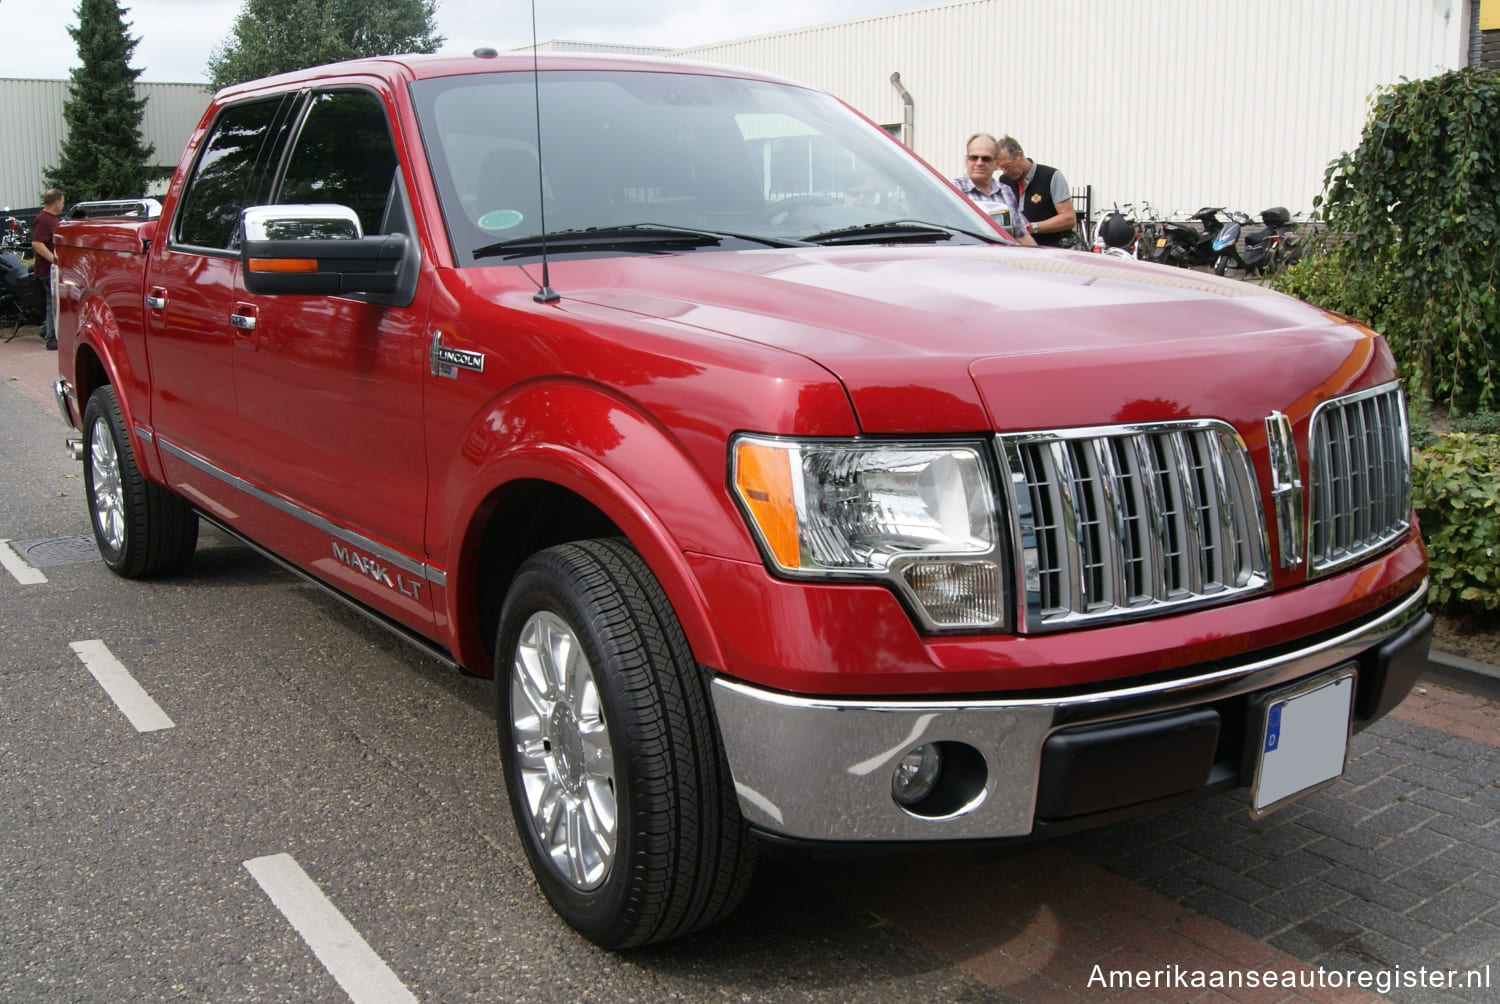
{"points": [[426, 646]]}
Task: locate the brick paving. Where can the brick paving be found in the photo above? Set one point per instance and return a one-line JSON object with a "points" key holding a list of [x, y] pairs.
{"points": [[1396, 865], [1393, 871], [26, 365]]}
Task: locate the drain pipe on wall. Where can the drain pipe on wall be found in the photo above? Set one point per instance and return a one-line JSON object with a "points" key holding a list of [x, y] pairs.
{"points": [[906, 111]]}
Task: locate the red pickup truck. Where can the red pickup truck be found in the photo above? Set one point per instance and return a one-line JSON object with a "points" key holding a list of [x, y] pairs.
{"points": [[779, 509]]}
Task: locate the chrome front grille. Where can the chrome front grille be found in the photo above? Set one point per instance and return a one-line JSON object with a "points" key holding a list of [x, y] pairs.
{"points": [[1361, 477], [1128, 520]]}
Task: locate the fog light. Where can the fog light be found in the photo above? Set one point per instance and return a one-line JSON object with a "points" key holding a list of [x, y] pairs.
{"points": [[916, 774]]}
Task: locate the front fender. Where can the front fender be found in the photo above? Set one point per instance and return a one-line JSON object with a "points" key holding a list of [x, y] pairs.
{"points": [[584, 439]]}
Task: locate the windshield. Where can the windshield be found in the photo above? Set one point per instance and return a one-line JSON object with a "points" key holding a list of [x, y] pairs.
{"points": [[687, 162]]}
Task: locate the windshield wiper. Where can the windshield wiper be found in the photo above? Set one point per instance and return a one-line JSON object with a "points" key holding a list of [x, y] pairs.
{"points": [[630, 237], [895, 231]]}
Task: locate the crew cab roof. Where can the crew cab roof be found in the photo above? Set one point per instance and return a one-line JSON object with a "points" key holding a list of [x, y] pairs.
{"points": [[418, 66]]}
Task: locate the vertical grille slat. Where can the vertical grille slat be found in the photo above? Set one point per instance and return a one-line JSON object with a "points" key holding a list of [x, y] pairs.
{"points": [[1361, 478], [1171, 527], [1067, 521], [1120, 521]]}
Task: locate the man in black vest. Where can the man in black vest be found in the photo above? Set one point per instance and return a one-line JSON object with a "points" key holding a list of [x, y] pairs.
{"points": [[1041, 192]]}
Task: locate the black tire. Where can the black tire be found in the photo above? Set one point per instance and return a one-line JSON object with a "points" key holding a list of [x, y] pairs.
{"points": [[1221, 264], [617, 778], [141, 528]]}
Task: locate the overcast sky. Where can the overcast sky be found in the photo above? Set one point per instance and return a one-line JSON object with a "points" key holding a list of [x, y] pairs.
{"points": [[176, 36]]}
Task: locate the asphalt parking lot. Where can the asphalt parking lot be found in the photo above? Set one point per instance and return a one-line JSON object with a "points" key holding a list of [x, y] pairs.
{"points": [[1385, 885]]}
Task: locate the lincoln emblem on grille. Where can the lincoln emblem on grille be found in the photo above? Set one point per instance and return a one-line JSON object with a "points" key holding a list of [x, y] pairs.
{"points": [[1286, 488]]}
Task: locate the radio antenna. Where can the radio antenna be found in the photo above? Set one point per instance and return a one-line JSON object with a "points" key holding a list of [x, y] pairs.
{"points": [[546, 294]]}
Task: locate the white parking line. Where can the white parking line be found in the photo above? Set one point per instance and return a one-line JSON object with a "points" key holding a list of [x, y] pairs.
{"points": [[17, 566], [129, 697], [348, 957]]}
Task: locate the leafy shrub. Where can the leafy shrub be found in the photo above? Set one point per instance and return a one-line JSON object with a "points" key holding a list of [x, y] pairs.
{"points": [[1413, 215], [1456, 492], [1419, 420], [1485, 422]]}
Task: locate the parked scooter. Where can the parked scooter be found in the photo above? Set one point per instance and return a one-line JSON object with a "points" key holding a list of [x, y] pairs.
{"points": [[1116, 236], [1265, 249], [1187, 246]]}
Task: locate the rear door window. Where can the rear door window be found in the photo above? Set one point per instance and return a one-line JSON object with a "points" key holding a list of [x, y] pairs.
{"points": [[229, 173]]}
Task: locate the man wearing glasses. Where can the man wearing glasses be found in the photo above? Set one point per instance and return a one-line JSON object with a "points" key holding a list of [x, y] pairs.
{"points": [[981, 185], [1041, 192]]}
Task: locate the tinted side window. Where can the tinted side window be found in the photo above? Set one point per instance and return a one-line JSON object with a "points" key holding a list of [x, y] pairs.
{"points": [[221, 182], [343, 154]]}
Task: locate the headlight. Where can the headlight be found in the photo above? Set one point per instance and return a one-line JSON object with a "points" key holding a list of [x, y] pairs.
{"points": [[918, 515]]}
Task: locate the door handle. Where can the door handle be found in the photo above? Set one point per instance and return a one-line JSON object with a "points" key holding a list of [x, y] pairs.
{"points": [[157, 298], [242, 319]]}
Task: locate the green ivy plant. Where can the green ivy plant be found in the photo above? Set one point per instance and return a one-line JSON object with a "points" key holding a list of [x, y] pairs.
{"points": [[1456, 492], [1413, 226]]}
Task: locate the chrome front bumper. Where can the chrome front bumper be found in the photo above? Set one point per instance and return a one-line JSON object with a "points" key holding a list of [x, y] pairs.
{"points": [[819, 769]]}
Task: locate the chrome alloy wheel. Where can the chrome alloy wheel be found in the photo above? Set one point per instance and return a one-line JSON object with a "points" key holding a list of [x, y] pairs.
{"points": [[108, 490], [563, 752]]}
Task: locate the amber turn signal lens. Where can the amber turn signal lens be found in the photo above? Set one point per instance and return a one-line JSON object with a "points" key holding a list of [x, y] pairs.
{"points": [[763, 478], [283, 264]]}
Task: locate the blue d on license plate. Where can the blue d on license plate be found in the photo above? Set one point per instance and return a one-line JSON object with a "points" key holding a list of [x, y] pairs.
{"points": [[1304, 740]]}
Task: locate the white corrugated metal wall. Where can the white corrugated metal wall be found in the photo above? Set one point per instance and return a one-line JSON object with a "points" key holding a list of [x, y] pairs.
{"points": [[33, 128], [1182, 103]]}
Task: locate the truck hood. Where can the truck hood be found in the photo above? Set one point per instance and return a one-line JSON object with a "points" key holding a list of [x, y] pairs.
{"points": [[962, 339]]}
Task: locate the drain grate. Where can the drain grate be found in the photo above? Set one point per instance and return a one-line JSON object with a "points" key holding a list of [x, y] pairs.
{"points": [[56, 551]]}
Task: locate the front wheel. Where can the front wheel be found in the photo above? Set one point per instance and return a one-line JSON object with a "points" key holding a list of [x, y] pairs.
{"points": [[141, 528], [615, 772], [1221, 264]]}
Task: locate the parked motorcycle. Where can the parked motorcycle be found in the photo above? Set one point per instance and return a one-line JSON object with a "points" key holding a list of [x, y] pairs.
{"points": [[1187, 246], [14, 234], [1265, 250], [21, 298]]}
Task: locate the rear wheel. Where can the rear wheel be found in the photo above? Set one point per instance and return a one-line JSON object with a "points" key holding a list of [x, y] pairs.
{"points": [[141, 528], [616, 776]]}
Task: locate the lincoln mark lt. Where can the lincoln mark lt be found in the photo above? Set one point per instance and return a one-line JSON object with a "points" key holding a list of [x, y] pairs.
{"points": [[776, 514]]}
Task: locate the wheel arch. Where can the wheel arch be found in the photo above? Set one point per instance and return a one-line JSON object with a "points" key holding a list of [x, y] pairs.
{"points": [[101, 357], [554, 486]]}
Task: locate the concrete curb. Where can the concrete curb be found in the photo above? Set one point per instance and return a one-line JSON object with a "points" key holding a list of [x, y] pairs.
{"points": [[1466, 674]]}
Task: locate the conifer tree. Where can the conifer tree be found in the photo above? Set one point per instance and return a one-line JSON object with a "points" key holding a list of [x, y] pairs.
{"points": [[104, 155], [276, 36]]}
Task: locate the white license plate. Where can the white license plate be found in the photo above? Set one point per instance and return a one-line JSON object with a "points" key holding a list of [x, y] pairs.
{"points": [[1304, 740]]}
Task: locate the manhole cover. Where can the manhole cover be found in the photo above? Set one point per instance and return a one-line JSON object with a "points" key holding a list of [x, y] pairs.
{"points": [[56, 551]]}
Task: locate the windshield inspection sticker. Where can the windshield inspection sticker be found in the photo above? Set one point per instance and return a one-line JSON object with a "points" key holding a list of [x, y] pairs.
{"points": [[500, 219]]}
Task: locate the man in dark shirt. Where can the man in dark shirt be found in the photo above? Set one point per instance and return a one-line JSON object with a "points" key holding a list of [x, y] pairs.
{"points": [[1041, 192], [42, 230]]}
